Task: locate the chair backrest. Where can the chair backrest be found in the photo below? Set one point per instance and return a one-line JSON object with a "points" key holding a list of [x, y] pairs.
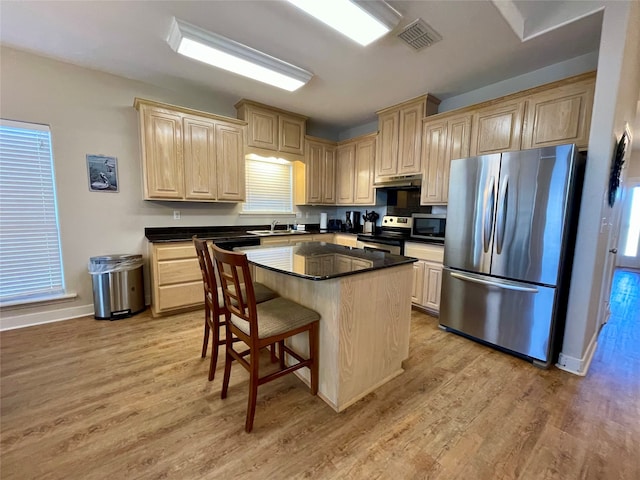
{"points": [[233, 268], [208, 272]]}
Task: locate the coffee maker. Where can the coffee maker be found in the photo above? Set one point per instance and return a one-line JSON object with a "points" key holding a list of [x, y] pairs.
{"points": [[352, 223]]}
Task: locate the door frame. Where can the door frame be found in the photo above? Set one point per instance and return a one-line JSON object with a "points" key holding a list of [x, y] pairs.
{"points": [[628, 185]]}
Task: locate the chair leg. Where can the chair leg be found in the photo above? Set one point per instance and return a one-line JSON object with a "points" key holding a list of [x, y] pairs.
{"points": [[227, 364], [254, 361], [272, 350], [214, 347], [313, 350], [207, 316], [281, 349]]}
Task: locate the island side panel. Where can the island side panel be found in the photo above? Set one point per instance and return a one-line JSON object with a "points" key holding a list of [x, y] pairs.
{"points": [[375, 320], [323, 297]]}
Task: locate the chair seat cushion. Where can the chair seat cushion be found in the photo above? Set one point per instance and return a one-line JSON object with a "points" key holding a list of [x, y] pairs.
{"points": [[278, 316], [261, 292]]}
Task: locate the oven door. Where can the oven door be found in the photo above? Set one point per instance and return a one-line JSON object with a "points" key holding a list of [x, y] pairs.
{"points": [[380, 247]]}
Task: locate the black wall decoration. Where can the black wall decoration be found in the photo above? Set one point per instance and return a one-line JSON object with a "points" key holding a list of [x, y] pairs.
{"points": [[616, 167]]}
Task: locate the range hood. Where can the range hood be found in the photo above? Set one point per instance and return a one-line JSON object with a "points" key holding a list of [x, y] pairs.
{"points": [[399, 181]]}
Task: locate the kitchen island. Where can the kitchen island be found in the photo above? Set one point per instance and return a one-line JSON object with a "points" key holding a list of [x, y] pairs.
{"points": [[364, 299]]}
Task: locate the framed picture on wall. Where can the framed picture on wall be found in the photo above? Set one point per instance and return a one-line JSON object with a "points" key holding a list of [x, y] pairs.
{"points": [[103, 173]]}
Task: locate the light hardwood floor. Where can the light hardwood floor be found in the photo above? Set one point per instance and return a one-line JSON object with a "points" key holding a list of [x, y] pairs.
{"points": [[87, 399]]}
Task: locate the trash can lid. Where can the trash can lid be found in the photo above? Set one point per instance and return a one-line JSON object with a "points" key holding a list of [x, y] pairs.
{"points": [[108, 259]]}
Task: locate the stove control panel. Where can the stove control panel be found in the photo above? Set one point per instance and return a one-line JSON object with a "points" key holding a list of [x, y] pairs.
{"points": [[397, 222]]}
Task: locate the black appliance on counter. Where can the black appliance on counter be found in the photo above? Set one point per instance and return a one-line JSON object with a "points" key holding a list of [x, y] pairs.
{"points": [[429, 226], [334, 225], [352, 224], [394, 231]]}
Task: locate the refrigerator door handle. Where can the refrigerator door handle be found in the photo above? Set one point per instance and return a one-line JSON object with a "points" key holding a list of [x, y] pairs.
{"points": [[488, 215], [506, 286], [501, 219]]}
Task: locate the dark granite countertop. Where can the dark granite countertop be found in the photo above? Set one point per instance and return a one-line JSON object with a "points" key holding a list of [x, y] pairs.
{"points": [[321, 261], [218, 233]]}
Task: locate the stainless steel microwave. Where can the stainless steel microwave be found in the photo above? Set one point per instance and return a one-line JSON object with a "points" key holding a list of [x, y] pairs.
{"points": [[429, 226]]}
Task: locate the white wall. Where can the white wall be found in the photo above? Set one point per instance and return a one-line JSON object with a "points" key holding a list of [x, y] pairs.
{"points": [[92, 113], [616, 96]]}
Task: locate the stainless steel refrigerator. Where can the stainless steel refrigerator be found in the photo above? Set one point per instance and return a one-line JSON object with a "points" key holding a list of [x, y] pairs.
{"points": [[511, 223]]}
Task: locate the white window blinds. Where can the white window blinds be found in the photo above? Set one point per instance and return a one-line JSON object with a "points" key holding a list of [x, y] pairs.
{"points": [[269, 186], [30, 256]]}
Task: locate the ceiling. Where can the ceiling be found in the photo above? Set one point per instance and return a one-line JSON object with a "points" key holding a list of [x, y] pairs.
{"points": [[482, 44]]}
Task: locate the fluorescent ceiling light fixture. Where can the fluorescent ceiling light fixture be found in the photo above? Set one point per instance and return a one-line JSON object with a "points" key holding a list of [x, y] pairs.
{"points": [[221, 52], [362, 21]]}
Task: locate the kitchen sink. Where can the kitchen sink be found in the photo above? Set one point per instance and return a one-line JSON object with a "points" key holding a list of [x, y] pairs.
{"points": [[276, 232]]}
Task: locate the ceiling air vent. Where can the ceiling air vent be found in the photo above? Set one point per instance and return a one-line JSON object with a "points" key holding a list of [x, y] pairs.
{"points": [[419, 35]]}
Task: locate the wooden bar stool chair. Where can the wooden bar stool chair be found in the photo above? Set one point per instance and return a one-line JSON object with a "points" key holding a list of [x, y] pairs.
{"points": [[214, 302], [260, 325]]}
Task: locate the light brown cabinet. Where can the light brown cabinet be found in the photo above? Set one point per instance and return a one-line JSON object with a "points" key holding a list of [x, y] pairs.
{"points": [[189, 155], [561, 115], [400, 136], [355, 171], [443, 140], [345, 239], [427, 274], [497, 128], [320, 172], [176, 281], [272, 129]]}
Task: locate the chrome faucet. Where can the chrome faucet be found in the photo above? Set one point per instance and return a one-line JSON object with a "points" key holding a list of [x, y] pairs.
{"points": [[273, 225]]}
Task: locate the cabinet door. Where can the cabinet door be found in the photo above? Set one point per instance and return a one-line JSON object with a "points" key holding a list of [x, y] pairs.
{"points": [[230, 162], [163, 173], [562, 115], [291, 130], [314, 159], [458, 142], [410, 138], [497, 128], [387, 157], [433, 158], [199, 159], [432, 284], [263, 128], [345, 171], [364, 193], [329, 175], [418, 282]]}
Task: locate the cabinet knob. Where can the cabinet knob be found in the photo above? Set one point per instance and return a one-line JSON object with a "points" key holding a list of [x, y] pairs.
{"points": [[613, 250]]}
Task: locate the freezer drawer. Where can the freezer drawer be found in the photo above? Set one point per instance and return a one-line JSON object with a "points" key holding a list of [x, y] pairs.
{"points": [[512, 315]]}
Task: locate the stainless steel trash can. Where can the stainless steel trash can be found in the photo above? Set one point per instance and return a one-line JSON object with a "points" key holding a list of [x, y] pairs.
{"points": [[118, 287]]}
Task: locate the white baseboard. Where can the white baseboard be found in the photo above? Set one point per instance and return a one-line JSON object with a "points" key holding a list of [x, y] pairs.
{"points": [[30, 319], [578, 366]]}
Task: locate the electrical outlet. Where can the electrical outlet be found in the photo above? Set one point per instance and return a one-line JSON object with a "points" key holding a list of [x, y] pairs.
{"points": [[176, 214]]}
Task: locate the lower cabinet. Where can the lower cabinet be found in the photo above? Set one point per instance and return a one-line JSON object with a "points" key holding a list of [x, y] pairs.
{"points": [[176, 280], [346, 240], [427, 274]]}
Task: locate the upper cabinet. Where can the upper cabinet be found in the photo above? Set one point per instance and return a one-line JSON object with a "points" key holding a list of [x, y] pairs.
{"points": [[400, 136], [561, 115], [189, 155], [497, 128], [320, 171], [443, 140], [272, 129], [355, 171]]}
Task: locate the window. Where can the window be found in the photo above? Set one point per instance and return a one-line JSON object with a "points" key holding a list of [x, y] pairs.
{"points": [[269, 185], [30, 256]]}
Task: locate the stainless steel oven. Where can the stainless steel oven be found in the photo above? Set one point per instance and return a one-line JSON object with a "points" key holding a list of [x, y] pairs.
{"points": [[391, 236], [395, 248], [428, 226]]}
